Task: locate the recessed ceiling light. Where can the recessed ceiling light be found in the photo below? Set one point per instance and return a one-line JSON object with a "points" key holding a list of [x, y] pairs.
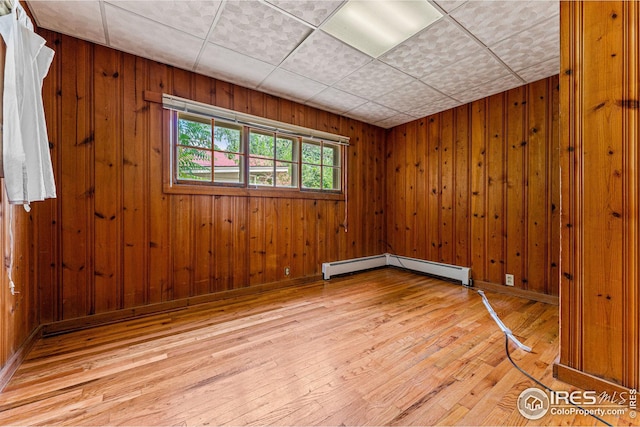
{"points": [[375, 26]]}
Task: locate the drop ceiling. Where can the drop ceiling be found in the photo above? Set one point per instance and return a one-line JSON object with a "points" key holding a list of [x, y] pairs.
{"points": [[476, 49]]}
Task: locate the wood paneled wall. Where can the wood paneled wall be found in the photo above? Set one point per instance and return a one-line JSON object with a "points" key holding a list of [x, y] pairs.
{"points": [[114, 240], [600, 295], [478, 186], [18, 313]]}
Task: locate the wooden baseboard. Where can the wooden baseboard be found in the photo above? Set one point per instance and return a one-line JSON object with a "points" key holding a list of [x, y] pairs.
{"points": [[76, 324], [18, 357], [521, 293], [586, 381]]}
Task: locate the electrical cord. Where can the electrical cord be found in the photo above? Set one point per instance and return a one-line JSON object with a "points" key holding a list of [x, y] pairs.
{"points": [[508, 336], [541, 384]]}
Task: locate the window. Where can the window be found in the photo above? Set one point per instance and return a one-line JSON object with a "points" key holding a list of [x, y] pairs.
{"points": [[273, 159], [320, 166], [215, 152]]}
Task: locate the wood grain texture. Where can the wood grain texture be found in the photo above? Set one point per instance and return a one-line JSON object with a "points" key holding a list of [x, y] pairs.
{"points": [[385, 347], [600, 298], [115, 240], [480, 187], [19, 316]]}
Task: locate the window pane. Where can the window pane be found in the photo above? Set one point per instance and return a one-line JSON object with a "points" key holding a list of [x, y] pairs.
{"points": [[262, 144], [331, 155], [311, 153], [228, 167], [311, 176], [194, 164], [331, 178], [194, 133], [285, 149], [261, 171], [228, 138], [286, 174]]}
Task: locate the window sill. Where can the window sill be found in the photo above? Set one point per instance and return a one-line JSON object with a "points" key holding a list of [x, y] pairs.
{"points": [[284, 193]]}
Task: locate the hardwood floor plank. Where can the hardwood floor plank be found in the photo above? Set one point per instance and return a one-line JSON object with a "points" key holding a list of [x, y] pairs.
{"points": [[384, 347]]}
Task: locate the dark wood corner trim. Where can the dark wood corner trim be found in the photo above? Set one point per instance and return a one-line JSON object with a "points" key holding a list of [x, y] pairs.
{"points": [[586, 381], [86, 322], [18, 357], [521, 293]]}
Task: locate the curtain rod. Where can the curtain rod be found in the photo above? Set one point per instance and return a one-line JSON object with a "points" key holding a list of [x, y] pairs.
{"points": [[187, 106]]}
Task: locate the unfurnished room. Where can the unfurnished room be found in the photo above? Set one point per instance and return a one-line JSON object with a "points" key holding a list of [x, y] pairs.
{"points": [[319, 212]]}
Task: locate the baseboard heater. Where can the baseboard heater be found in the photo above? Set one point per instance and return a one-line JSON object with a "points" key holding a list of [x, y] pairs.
{"points": [[446, 271]]}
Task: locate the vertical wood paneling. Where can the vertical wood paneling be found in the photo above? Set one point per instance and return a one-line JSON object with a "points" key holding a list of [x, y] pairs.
{"points": [[538, 189], [478, 189], [447, 238], [481, 160], [422, 190], [149, 246], [461, 179], [159, 255], [203, 244], [135, 160], [114, 240], [182, 242], [411, 196], [433, 186], [600, 301], [75, 184], [495, 208], [257, 243], [107, 224], [47, 212], [516, 188]]}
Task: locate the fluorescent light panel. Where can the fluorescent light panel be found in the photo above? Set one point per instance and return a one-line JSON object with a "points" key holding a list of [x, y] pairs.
{"points": [[376, 26]]}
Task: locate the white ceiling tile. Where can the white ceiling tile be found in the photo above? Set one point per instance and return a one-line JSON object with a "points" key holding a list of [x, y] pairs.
{"points": [[217, 61], [541, 70], [291, 85], [191, 16], [336, 100], [532, 46], [500, 85], [434, 107], [441, 44], [373, 80], [325, 59], [467, 73], [153, 40], [394, 121], [311, 11], [409, 97], [255, 29], [449, 5], [371, 112], [83, 21], [492, 21], [250, 39]]}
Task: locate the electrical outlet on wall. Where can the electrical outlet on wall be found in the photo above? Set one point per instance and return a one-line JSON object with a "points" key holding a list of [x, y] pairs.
{"points": [[508, 280], [287, 271]]}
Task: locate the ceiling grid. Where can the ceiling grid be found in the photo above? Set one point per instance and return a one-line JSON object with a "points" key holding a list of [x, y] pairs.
{"points": [[476, 49]]}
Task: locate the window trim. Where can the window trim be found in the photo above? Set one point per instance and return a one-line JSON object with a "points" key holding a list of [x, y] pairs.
{"points": [[172, 185]]}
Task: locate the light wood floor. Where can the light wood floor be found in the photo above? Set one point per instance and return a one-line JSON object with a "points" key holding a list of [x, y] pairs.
{"points": [[379, 348]]}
